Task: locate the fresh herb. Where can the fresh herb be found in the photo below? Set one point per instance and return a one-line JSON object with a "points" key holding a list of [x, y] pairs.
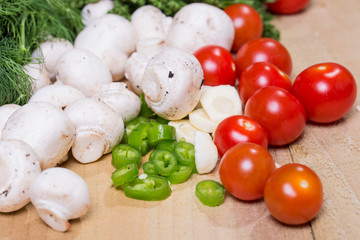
{"points": [[24, 24]]}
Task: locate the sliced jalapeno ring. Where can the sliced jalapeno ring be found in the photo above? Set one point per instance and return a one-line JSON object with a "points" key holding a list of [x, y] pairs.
{"points": [[180, 175], [124, 174], [160, 132], [185, 154], [164, 162], [149, 168], [131, 125], [145, 111], [166, 145], [138, 137], [210, 193], [124, 154], [152, 188]]}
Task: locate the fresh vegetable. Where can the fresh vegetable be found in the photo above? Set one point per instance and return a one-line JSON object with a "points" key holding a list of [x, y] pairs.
{"points": [[160, 132], [23, 26], [124, 174], [122, 100], [149, 168], [263, 50], [164, 162], [59, 194], [247, 22], [279, 112], [185, 131], [58, 94], [185, 154], [150, 188], [197, 25], [38, 73], [238, 129], [124, 154], [5, 113], [293, 194], [244, 170], [220, 102], [327, 91], [259, 75], [19, 169], [166, 145], [92, 11], [201, 120], [210, 193], [96, 133], [46, 128], [102, 39], [131, 125], [180, 175], [172, 82], [287, 6], [206, 154], [138, 137], [218, 65]]}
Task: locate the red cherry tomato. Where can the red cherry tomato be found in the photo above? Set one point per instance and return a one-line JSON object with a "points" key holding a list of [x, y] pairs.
{"points": [[327, 91], [259, 75], [279, 112], [244, 170], [293, 194], [218, 65], [287, 6], [247, 22], [263, 50], [237, 129]]}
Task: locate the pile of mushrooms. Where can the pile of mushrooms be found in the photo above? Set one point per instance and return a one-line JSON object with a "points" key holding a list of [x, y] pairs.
{"points": [[78, 105]]}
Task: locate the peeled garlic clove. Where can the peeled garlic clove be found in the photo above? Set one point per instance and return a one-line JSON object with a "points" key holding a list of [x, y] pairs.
{"points": [[206, 154], [200, 120]]}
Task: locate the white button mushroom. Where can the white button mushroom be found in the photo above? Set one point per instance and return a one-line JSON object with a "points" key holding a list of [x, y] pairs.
{"points": [[112, 38], [45, 127], [5, 112], [39, 75], [83, 70], [19, 167], [149, 22], [58, 94], [172, 82], [98, 129], [92, 11], [50, 51], [123, 101], [59, 195], [199, 24], [136, 64]]}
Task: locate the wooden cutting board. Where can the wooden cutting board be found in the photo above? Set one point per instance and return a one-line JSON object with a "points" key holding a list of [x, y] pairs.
{"points": [[329, 30]]}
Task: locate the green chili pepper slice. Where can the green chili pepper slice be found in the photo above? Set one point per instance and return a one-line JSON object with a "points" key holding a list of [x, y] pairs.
{"points": [[152, 188], [131, 125], [166, 145], [210, 193], [145, 111], [138, 137], [181, 174], [149, 168], [124, 174], [164, 162], [124, 154], [162, 120], [185, 154], [160, 132]]}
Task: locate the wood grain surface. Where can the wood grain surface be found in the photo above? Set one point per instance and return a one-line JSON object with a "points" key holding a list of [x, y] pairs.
{"points": [[328, 30]]}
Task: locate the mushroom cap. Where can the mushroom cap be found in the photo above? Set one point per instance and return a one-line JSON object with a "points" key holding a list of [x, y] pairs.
{"points": [[92, 11], [40, 75], [149, 22], [112, 38], [59, 195], [45, 127], [19, 167], [199, 24], [58, 94], [83, 70], [123, 101], [51, 50], [5, 112], [172, 82]]}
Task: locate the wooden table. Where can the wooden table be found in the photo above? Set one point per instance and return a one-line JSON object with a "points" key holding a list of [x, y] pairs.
{"points": [[329, 30]]}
